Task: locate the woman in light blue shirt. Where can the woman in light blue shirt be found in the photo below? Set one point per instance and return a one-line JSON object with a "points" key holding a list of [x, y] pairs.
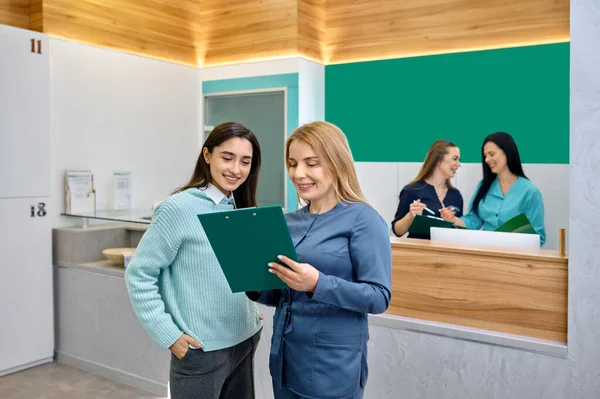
{"points": [[177, 288], [504, 192]]}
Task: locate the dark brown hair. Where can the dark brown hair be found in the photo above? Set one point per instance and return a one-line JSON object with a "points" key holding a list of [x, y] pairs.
{"points": [[245, 194], [434, 156]]}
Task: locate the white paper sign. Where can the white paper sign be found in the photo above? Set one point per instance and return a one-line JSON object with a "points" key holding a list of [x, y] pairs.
{"points": [[122, 190], [79, 191]]}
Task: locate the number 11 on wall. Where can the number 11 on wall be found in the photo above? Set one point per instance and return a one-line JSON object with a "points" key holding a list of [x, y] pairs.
{"points": [[39, 46]]}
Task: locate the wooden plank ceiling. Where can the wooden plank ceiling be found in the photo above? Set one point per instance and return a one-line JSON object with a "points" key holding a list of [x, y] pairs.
{"points": [[15, 13], [377, 29], [215, 32]]}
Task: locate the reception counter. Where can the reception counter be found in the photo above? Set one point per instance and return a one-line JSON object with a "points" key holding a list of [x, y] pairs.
{"points": [[517, 292]]}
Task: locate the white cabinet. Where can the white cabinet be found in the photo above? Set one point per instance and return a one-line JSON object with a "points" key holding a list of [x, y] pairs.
{"points": [[24, 114], [26, 305]]}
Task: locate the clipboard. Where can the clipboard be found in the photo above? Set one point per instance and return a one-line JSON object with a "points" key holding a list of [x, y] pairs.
{"points": [[518, 224], [245, 241], [422, 225]]}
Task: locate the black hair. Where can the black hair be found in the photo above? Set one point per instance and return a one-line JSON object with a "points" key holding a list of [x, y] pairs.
{"points": [[506, 143]]}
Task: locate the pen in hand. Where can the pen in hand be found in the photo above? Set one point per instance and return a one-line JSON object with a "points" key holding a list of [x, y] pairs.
{"points": [[452, 208], [427, 209]]}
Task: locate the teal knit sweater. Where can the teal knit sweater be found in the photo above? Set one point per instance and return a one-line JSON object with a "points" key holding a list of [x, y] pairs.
{"points": [[175, 282]]}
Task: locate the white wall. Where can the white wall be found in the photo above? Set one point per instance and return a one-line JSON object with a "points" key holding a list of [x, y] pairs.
{"points": [[311, 91], [111, 111], [261, 68], [382, 182]]}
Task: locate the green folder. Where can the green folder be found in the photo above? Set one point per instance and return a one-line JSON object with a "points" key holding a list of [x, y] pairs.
{"points": [[245, 241], [518, 224], [422, 224]]}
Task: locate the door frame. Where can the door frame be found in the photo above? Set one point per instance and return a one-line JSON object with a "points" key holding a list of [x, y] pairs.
{"points": [[285, 122]]}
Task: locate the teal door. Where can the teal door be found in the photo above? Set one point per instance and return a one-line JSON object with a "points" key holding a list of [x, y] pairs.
{"points": [[264, 114]]}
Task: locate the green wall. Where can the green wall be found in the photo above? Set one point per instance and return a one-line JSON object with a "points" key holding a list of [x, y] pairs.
{"points": [[393, 110]]}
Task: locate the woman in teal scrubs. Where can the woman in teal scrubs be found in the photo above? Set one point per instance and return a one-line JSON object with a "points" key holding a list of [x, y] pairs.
{"points": [[504, 192]]}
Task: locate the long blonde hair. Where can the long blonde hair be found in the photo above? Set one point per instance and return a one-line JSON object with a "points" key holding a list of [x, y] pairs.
{"points": [[331, 147], [434, 156]]}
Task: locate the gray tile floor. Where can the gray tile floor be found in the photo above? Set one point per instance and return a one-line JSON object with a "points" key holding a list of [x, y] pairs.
{"points": [[57, 381]]}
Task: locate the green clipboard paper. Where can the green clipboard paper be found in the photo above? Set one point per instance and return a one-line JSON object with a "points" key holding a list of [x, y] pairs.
{"points": [[518, 224], [422, 224], [245, 241]]}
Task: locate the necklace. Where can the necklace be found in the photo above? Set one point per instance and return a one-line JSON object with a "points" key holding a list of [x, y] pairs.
{"points": [[442, 194], [440, 191]]}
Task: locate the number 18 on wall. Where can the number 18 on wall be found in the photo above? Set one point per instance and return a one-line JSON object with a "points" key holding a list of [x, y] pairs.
{"points": [[39, 210]]}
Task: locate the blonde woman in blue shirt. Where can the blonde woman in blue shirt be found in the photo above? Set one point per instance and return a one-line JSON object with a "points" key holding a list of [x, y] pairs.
{"points": [[320, 327], [504, 192], [177, 288]]}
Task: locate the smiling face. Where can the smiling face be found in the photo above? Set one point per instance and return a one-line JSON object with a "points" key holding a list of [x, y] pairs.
{"points": [[495, 158], [229, 164], [310, 177], [450, 162]]}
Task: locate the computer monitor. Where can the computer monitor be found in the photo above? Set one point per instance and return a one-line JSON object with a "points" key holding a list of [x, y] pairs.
{"points": [[495, 238]]}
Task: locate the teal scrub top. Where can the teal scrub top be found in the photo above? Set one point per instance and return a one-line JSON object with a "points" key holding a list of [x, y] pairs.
{"points": [[496, 208]]}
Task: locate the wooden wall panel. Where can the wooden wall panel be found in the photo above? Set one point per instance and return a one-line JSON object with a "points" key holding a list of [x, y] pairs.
{"points": [[36, 15], [311, 29], [15, 13], [241, 30], [379, 29], [161, 29], [484, 288]]}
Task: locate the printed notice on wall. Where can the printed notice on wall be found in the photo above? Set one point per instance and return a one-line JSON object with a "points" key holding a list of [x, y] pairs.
{"points": [[122, 190], [80, 196]]}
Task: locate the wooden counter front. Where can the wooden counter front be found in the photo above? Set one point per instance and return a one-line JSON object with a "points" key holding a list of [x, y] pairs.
{"points": [[511, 290]]}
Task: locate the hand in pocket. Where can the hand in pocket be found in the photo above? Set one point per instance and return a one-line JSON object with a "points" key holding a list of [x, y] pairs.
{"points": [[181, 346]]}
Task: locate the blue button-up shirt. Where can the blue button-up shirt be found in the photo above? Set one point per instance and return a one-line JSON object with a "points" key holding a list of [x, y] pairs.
{"points": [[496, 208], [319, 345]]}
